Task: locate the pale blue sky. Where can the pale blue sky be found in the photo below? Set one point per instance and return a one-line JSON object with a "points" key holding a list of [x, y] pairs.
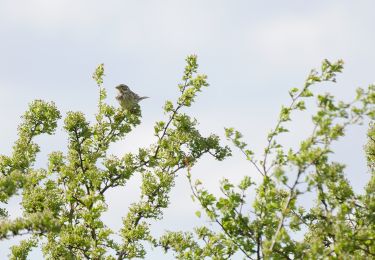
{"points": [[252, 52]]}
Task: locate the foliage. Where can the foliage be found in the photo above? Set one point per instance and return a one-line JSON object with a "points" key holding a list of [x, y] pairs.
{"points": [[63, 204], [339, 225]]}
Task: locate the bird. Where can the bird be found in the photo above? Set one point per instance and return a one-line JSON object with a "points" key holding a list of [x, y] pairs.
{"points": [[127, 98]]}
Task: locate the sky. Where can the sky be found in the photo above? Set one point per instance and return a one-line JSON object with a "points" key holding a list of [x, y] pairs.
{"points": [[252, 51]]}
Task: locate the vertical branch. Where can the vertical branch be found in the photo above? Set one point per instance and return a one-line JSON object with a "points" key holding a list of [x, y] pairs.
{"points": [[98, 77]]}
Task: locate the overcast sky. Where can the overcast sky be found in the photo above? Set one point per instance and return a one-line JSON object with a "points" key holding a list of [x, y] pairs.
{"points": [[252, 51]]}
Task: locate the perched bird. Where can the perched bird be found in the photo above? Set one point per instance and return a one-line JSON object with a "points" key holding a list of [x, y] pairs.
{"points": [[126, 97]]}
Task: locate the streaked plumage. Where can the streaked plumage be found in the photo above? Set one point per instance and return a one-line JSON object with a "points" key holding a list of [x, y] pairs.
{"points": [[126, 97]]}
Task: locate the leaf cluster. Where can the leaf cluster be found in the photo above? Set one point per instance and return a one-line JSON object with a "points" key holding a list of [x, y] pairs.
{"points": [[64, 203], [339, 224]]}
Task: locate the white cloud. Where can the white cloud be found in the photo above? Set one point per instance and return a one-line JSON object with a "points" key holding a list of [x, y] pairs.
{"points": [[44, 14]]}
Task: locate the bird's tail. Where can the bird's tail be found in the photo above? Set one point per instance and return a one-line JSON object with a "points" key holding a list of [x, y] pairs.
{"points": [[143, 98]]}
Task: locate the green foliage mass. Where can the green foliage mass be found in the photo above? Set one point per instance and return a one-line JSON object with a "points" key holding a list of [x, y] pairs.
{"points": [[63, 204], [339, 224]]}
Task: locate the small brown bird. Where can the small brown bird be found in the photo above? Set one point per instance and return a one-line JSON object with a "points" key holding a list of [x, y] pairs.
{"points": [[126, 97]]}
